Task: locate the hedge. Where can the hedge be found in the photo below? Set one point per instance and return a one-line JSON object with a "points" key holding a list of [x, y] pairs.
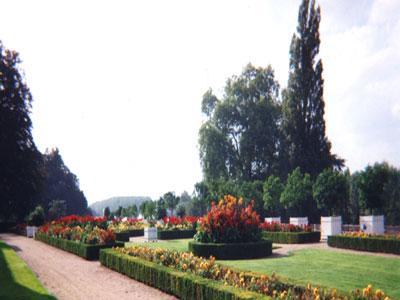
{"points": [[281, 237], [89, 252], [175, 234], [371, 244], [181, 284], [125, 235], [232, 250]]}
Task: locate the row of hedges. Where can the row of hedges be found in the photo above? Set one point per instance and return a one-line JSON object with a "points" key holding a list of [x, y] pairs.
{"points": [[171, 281], [259, 249], [89, 252], [372, 244], [175, 234], [125, 235], [292, 237]]}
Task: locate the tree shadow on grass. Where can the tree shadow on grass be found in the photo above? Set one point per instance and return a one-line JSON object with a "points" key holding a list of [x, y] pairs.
{"points": [[9, 288]]}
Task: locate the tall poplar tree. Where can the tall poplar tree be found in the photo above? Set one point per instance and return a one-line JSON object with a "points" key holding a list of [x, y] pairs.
{"points": [[303, 103]]}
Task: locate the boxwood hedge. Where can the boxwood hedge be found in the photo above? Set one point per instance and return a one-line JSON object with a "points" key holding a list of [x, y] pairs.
{"points": [[233, 250], [89, 252], [125, 235], [181, 284], [175, 234], [372, 244], [292, 237]]}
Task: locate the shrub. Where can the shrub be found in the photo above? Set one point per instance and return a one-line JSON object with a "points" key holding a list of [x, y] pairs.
{"points": [[280, 227], [372, 244], [247, 250], [292, 237], [229, 222], [175, 234], [89, 252], [176, 223]]}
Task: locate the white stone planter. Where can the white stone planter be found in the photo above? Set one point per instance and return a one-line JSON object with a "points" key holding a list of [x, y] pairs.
{"points": [[273, 220], [299, 221], [372, 224], [330, 226], [31, 231], [150, 234]]}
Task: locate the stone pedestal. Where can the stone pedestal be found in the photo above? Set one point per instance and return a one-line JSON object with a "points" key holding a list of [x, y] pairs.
{"points": [[150, 234], [31, 231], [299, 221], [330, 226], [372, 224], [273, 220]]}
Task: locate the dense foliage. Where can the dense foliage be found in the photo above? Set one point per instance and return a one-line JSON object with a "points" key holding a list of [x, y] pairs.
{"points": [[230, 221], [279, 227]]}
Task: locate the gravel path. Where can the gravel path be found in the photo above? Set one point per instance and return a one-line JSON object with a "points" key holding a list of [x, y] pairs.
{"points": [[68, 276]]}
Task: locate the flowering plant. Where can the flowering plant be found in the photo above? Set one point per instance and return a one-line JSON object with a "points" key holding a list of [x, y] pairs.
{"points": [[278, 227], [362, 234], [267, 285], [128, 225], [229, 222], [176, 223]]}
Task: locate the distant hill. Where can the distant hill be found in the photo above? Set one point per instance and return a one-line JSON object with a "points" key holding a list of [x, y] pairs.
{"points": [[114, 202]]}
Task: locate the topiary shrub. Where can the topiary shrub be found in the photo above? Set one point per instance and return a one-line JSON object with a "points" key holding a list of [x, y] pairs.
{"points": [[36, 217]]}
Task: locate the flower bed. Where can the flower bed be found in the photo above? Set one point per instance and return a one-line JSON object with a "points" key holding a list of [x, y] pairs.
{"points": [[175, 234], [87, 251], [366, 242], [191, 277], [230, 222], [177, 228], [125, 229]]}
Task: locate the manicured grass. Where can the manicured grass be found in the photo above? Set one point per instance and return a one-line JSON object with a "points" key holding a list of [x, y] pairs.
{"points": [[327, 268], [17, 281]]}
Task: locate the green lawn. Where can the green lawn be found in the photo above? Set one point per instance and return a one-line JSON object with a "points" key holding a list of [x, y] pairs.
{"points": [[327, 268], [17, 281]]}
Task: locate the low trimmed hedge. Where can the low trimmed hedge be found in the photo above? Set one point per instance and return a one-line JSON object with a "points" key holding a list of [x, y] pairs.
{"points": [[181, 284], [233, 250], [281, 237], [175, 234], [125, 235], [89, 252], [371, 244]]}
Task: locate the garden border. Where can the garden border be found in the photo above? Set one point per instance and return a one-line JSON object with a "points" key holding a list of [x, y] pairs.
{"points": [[283, 237], [175, 234], [181, 284], [125, 235], [370, 244], [227, 251], [87, 251]]}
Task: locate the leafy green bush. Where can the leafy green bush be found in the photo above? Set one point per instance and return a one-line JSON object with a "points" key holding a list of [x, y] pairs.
{"points": [[292, 237], [125, 235], [171, 281], [372, 244], [259, 249], [175, 234], [89, 252]]}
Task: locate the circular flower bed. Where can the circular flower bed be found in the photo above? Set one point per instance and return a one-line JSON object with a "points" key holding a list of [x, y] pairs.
{"points": [[230, 230]]}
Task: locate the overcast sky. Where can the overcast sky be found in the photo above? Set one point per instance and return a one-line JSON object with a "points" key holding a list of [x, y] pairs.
{"points": [[117, 85]]}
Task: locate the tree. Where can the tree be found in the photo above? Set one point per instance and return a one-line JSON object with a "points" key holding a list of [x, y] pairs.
{"points": [[118, 212], [36, 217], [331, 191], [20, 161], [201, 199], [303, 103], [106, 212], [171, 201], [273, 189], [391, 194], [297, 195], [61, 183], [241, 138], [57, 209], [130, 211], [161, 211], [181, 211]]}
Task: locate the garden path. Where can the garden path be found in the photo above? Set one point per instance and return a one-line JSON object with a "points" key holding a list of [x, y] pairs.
{"points": [[68, 276]]}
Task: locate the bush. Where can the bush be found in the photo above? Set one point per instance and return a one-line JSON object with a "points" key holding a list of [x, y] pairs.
{"points": [[175, 234], [171, 281], [125, 235], [371, 244], [292, 237], [259, 249], [89, 252], [36, 217]]}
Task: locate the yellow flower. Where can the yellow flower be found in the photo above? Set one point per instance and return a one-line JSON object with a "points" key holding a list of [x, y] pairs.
{"points": [[184, 267], [379, 293], [316, 292]]}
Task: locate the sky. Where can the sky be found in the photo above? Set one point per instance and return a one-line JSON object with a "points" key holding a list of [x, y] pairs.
{"points": [[117, 85]]}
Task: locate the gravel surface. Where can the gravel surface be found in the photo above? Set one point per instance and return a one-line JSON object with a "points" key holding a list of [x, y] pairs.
{"points": [[68, 276]]}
